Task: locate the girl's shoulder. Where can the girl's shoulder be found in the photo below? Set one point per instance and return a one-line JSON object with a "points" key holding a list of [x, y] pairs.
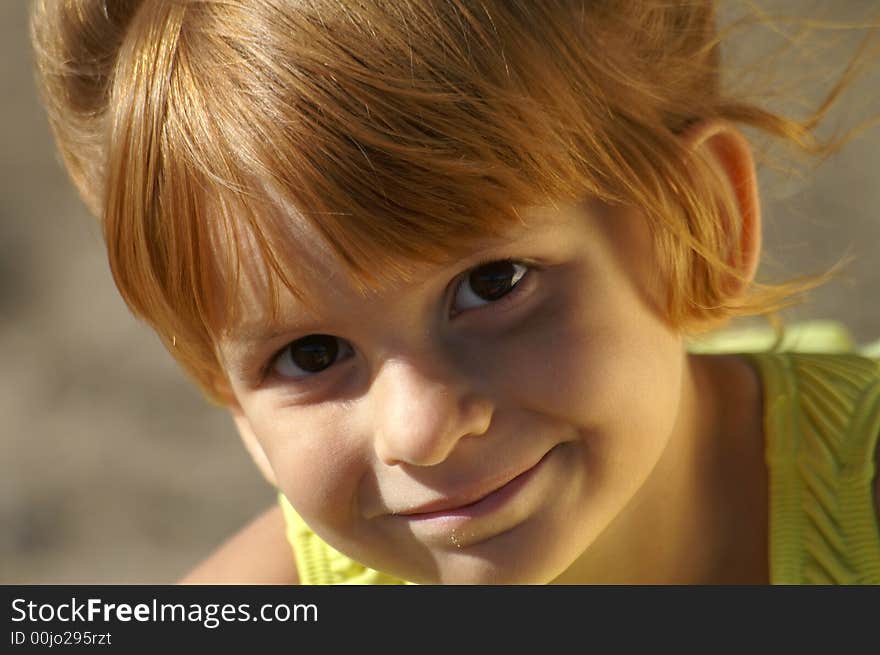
{"points": [[821, 415]]}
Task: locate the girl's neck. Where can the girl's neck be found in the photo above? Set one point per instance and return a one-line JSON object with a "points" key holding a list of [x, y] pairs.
{"points": [[701, 517]]}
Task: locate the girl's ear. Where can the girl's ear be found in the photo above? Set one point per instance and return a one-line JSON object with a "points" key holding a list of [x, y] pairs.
{"points": [[251, 444], [729, 153]]}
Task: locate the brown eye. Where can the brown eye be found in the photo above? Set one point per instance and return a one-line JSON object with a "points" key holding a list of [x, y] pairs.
{"points": [[488, 283], [309, 355]]}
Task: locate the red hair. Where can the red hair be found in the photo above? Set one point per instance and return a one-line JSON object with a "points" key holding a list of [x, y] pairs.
{"points": [[399, 131]]}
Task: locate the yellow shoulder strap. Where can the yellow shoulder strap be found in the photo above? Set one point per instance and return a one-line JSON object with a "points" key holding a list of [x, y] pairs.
{"points": [[318, 563]]}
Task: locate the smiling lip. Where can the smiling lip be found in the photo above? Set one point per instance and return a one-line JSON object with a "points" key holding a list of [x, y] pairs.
{"points": [[474, 505]]}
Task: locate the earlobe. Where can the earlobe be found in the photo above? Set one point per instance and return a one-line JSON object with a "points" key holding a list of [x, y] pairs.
{"points": [[251, 443], [730, 155]]}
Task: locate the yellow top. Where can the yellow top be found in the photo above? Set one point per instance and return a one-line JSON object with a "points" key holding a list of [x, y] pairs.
{"points": [[821, 421], [319, 563], [821, 425]]}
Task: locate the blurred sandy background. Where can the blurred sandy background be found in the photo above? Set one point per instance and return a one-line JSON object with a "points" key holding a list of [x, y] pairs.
{"points": [[112, 467]]}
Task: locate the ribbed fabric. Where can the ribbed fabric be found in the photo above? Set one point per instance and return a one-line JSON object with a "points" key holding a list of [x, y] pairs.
{"points": [[318, 563], [821, 424]]}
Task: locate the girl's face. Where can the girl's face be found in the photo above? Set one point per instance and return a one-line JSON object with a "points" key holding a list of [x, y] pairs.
{"points": [[481, 424]]}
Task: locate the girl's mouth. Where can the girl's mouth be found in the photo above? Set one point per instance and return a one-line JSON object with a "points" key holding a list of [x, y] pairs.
{"points": [[450, 513]]}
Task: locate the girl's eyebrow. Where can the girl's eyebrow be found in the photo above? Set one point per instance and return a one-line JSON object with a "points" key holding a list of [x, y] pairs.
{"points": [[251, 333], [244, 344]]}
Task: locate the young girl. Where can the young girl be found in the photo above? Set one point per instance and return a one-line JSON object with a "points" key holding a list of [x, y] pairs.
{"points": [[439, 259]]}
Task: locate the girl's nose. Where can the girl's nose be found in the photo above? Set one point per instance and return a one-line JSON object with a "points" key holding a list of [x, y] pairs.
{"points": [[422, 412]]}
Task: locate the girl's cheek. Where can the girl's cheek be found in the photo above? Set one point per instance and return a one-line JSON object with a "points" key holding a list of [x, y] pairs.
{"points": [[554, 353], [318, 461]]}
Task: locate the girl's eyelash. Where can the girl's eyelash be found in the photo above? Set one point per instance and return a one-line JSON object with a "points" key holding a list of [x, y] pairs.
{"points": [[268, 369], [530, 266]]}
